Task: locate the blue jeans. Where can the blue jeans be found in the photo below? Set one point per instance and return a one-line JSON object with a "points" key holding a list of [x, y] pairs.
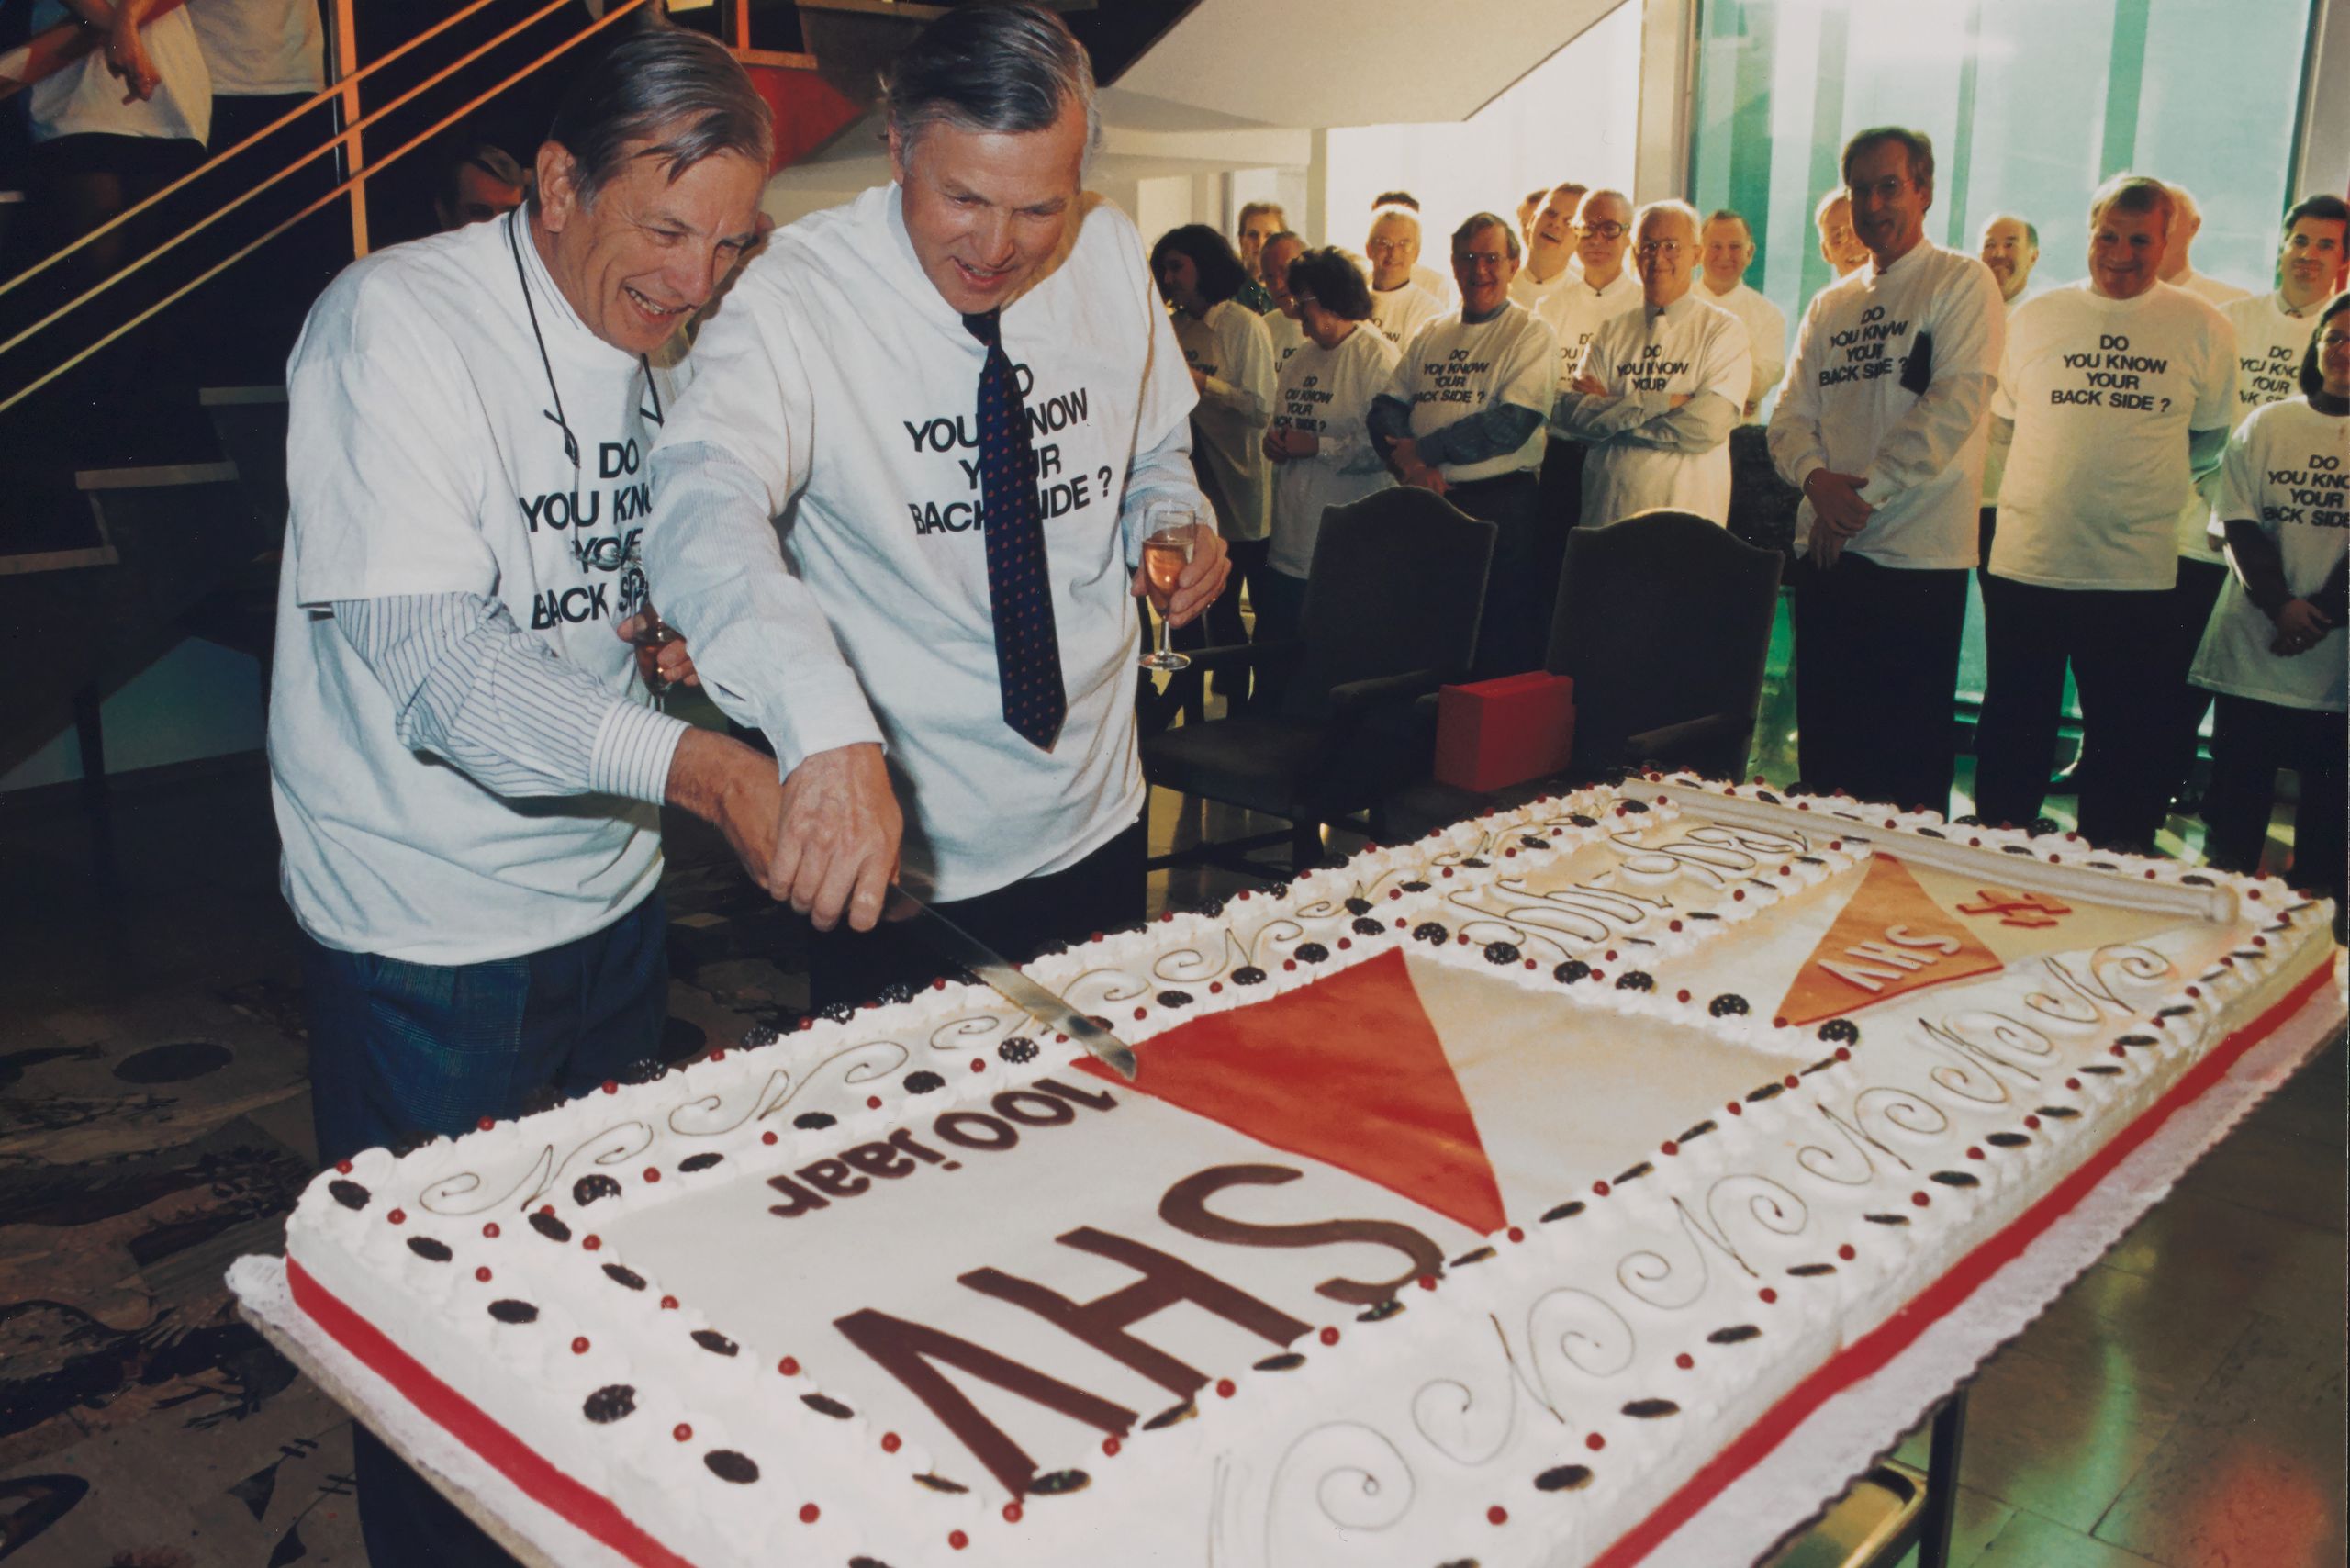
{"points": [[398, 1049]]}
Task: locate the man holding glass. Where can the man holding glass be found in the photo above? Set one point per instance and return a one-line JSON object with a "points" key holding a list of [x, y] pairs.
{"points": [[961, 396]]}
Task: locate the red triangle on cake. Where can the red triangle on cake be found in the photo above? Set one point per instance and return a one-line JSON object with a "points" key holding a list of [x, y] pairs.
{"points": [[1890, 939], [1349, 1071]]}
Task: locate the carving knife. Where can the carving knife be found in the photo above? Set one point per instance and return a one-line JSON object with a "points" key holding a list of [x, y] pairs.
{"points": [[951, 942]]}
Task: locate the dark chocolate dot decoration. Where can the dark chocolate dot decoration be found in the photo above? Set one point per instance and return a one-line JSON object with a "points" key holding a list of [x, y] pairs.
{"points": [[609, 1403], [432, 1251], [838, 1012], [1059, 1483], [728, 1465], [1358, 906], [1637, 808], [937, 1483], [1570, 971], [1501, 953], [1567, 1210], [2103, 1069], [1247, 974], [1288, 1360], [1479, 1256], [1635, 1173], [2135, 1040], [1729, 1004], [2062, 1113], [863, 1562], [1822, 1065], [1563, 1478], [1651, 1409], [1311, 952], [554, 1229], [512, 1311], [2197, 879], [1768, 1092], [1694, 1134], [2015, 848], [1635, 979], [1432, 931], [624, 1276], [896, 992], [588, 1189], [1766, 796], [1527, 841], [1277, 890], [1811, 1270], [409, 1143], [717, 1344], [1017, 1051], [1379, 1313], [1702, 914], [1174, 999], [813, 1121], [1736, 1334], [1841, 1031], [1415, 886], [2181, 1011], [924, 1083], [1955, 1179], [1366, 926], [1887, 1219], [644, 1070], [1580, 821], [823, 1405], [2006, 1140], [1174, 1414], [693, 1162], [1211, 908], [1475, 864], [350, 1195]]}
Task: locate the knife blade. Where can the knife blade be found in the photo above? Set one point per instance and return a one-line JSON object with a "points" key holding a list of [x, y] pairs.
{"points": [[951, 942]]}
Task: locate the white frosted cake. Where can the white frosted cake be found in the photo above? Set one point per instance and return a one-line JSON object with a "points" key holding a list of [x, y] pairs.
{"points": [[1492, 1199]]}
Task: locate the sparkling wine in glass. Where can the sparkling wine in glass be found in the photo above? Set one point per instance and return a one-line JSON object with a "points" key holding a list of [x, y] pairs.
{"points": [[1164, 555]]}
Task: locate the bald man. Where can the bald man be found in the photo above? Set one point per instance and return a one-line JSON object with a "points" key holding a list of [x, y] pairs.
{"points": [[1399, 306]]}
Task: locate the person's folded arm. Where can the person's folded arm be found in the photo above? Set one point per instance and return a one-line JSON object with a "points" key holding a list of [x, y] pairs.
{"points": [[1699, 425], [1593, 417], [1491, 431], [1389, 421], [469, 686], [2259, 564]]}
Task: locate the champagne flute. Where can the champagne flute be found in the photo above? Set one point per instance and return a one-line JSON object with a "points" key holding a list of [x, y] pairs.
{"points": [[1164, 555]]}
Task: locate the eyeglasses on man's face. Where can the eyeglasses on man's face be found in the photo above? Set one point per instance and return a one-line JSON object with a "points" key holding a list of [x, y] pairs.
{"points": [[1604, 231], [1668, 249]]}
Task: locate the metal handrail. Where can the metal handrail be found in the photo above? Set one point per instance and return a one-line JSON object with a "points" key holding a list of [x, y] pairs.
{"points": [[619, 9], [332, 90]]}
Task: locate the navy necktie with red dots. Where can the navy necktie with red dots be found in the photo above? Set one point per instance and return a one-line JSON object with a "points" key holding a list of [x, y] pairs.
{"points": [[1020, 596]]}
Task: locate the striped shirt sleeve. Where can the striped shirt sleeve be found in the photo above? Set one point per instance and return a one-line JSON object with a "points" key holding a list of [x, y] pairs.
{"points": [[468, 687]]}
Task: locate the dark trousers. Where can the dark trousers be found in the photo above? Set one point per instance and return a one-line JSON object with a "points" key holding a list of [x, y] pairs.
{"points": [[2189, 611], [1102, 892], [2249, 740], [1877, 667], [1513, 636], [2112, 640], [400, 1049], [1222, 626]]}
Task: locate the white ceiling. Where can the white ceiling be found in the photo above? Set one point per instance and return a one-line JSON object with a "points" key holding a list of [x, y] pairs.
{"points": [[1339, 62]]}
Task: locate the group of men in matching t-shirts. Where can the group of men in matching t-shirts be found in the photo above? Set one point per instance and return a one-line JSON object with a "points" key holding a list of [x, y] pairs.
{"points": [[2086, 449]]}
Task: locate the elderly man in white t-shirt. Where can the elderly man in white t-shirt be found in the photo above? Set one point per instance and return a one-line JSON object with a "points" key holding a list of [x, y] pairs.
{"points": [[465, 767], [1400, 305], [1550, 248], [1880, 424], [2113, 393], [2178, 271], [1726, 247], [961, 395]]}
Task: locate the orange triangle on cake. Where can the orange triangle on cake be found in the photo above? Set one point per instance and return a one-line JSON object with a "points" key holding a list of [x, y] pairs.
{"points": [[1890, 939], [1349, 1071]]}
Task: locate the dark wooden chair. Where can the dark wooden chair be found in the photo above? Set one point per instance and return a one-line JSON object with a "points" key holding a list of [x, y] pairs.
{"points": [[1392, 604], [1664, 623]]}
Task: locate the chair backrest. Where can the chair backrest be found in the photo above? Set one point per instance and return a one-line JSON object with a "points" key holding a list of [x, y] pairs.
{"points": [[1396, 584], [1661, 617], [250, 423]]}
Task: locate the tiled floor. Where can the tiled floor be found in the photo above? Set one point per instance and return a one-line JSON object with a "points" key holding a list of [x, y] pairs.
{"points": [[2182, 1405]]}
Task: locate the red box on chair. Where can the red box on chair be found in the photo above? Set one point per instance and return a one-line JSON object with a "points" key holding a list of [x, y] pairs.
{"points": [[1497, 733]]}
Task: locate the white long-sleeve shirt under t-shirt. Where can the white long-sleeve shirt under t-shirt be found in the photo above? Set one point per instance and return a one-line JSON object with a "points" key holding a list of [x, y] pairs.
{"points": [[1859, 399], [1766, 338], [1642, 360], [1327, 393], [1400, 312], [1454, 367], [2287, 468], [1575, 310], [2103, 393], [837, 389], [425, 475], [1232, 350]]}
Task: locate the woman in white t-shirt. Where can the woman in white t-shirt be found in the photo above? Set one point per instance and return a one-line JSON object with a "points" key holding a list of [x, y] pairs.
{"points": [[1319, 444], [2274, 652], [1231, 356]]}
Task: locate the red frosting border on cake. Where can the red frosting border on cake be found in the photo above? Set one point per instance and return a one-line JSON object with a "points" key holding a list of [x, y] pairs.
{"points": [[1896, 1333], [597, 1516], [593, 1513]]}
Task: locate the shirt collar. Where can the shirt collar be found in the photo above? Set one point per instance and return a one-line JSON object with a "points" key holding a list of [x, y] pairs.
{"points": [[2285, 307], [559, 323]]}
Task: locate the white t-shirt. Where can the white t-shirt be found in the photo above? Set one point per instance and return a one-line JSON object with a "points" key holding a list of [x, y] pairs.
{"points": [[1851, 403], [1400, 312], [1524, 290], [2270, 341], [85, 96], [1436, 285], [838, 374], [420, 460], [1452, 369], [1328, 393], [1232, 347], [2103, 393], [2288, 468], [1577, 310], [261, 48], [1288, 338], [1691, 348], [1766, 338], [2208, 289]]}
